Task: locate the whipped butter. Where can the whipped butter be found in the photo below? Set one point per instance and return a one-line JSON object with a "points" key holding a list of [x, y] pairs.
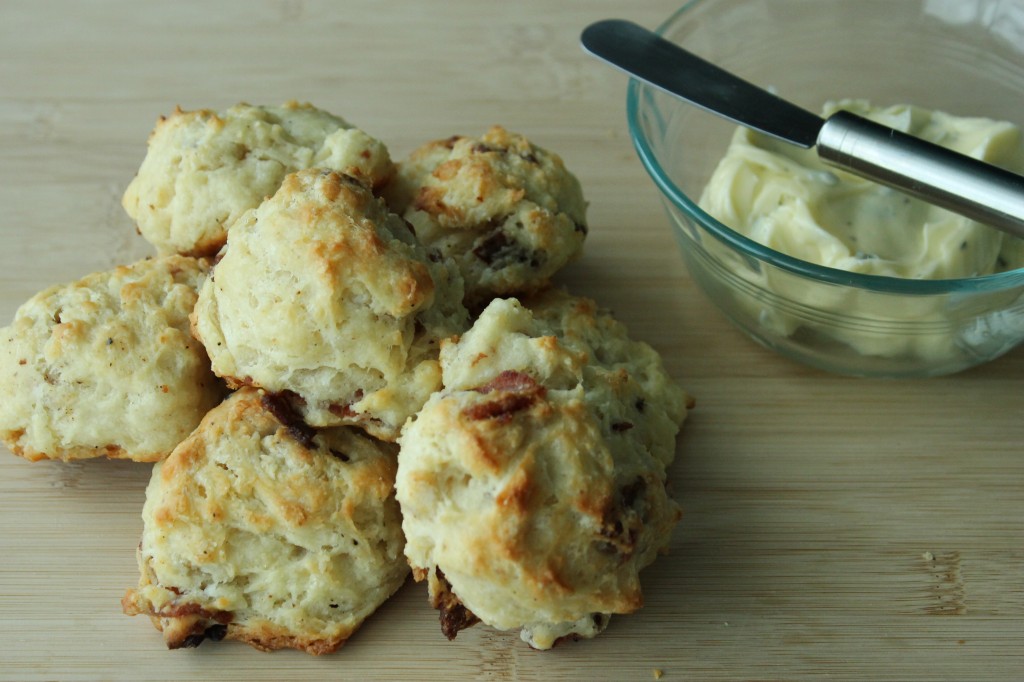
{"points": [[785, 198]]}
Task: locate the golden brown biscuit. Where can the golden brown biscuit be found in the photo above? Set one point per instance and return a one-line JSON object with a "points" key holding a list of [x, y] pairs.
{"points": [[107, 366], [203, 169], [260, 529], [565, 341], [507, 211], [533, 486], [324, 295]]}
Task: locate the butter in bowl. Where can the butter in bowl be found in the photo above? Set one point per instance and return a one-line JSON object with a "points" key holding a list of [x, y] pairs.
{"points": [[823, 266]]}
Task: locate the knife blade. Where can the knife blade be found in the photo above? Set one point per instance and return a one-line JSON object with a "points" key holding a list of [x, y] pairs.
{"points": [[957, 182]]}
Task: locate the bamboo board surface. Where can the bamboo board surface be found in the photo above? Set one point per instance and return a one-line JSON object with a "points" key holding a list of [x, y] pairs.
{"points": [[834, 527]]}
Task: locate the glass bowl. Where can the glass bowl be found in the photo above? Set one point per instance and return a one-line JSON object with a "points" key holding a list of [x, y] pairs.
{"points": [[964, 58]]}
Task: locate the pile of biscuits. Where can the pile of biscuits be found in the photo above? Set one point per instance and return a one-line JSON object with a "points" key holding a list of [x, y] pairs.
{"points": [[345, 369]]}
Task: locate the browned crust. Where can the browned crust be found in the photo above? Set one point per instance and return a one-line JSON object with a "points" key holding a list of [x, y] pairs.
{"points": [[12, 439], [190, 632], [269, 642], [208, 246], [188, 625]]}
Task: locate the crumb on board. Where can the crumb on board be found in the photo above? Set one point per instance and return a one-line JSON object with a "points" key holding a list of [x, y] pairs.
{"points": [[928, 556], [658, 672]]}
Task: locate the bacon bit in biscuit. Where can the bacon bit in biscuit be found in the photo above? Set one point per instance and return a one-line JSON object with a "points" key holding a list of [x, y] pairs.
{"points": [[502, 408], [496, 243], [510, 380], [214, 633], [518, 392], [499, 246], [454, 616], [236, 382], [280, 406], [619, 427], [344, 411], [192, 609]]}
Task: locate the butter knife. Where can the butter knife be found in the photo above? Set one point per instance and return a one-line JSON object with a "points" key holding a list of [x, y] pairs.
{"points": [[954, 181]]}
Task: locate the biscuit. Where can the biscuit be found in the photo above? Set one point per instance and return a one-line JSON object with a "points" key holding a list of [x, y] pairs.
{"points": [[533, 487], [258, 528], [324, 296], [203, 169], [107, 366], [507, 211]]}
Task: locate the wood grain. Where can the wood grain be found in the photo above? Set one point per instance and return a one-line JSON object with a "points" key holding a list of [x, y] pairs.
{"points": [[834, 528]]}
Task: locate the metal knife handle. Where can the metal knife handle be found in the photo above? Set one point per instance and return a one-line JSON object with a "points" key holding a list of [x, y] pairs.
{"points": [[940, 176], [954, 181]]}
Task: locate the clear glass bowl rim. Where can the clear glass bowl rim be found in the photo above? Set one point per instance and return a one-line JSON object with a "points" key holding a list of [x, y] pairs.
{"points": [[984, 283]]}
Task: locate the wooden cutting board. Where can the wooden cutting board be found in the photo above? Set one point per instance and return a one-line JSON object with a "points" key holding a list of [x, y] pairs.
{"points": [[834, 527]]}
